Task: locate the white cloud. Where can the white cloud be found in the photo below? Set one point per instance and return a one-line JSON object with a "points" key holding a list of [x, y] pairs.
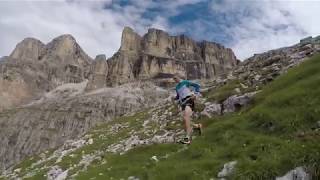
{"points": [[257, 25], [266, 25], [96, 29]]}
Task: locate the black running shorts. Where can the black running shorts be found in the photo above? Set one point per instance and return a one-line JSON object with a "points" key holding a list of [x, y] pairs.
{"points": [[188, 101]]}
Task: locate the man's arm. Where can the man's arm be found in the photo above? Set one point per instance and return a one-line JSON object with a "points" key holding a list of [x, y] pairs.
{"points": [[177, 96], [195, 85]]}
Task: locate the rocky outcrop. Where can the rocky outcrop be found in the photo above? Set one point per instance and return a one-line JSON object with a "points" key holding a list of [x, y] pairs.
{"points": [[157, 54], [263, 68], [298, 173], [98, 73], [212, 109], [65, 61], [28, 49], [247, 78], [130, 41], [235, 103]]}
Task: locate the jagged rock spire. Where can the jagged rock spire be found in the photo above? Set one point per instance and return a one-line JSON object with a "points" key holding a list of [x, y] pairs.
{"points": [[28, 49], [157, 52], [130, 40]]}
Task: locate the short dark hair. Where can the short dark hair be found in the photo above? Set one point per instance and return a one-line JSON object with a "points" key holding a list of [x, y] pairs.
{"points": [[178, 75]]}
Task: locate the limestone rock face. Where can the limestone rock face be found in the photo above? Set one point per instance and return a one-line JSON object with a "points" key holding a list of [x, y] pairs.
{"points": [[157, 54], [157, 43], [98, 73], [121, 68], [34, 68], [65, 60], [29, 49], [130, 40]]}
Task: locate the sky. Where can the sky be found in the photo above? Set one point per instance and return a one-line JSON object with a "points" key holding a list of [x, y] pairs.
{"points": [[246, 26]]}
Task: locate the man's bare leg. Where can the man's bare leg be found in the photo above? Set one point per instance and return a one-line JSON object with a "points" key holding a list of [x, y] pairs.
{"points": [[187, 122]]}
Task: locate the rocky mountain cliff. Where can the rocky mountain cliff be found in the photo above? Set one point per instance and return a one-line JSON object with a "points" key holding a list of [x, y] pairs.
{"points": [[37, 68], [157, 54], [34, 68]]}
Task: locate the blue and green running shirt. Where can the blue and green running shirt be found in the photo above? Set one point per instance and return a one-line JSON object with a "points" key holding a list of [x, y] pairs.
{"points": [[183, 89]]}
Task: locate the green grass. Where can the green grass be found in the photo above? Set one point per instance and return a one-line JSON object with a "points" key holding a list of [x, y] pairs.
{"points": [[222, 92], [25, 164], [40, 175], [274, 135]]}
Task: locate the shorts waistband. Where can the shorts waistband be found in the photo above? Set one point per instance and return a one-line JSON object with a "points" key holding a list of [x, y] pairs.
{"points": [[184, 100]]}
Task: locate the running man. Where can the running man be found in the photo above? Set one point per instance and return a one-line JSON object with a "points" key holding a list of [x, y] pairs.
{"points": [[186, 100]]}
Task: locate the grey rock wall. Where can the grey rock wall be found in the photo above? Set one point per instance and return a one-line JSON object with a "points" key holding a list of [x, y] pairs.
{"points": [[156, 53]]}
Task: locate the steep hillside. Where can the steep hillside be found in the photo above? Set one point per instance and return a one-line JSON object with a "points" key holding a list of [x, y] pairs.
{"points": [[66, 113], [279, 131]]}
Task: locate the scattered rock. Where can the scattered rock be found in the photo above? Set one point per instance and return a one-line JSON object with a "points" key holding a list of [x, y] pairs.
{"points": [[155, 158], [298, 173], [237, 90], [227, 170], [257, 77], [62, 176], [88, 158], [133, 178], [212, 109], [235, 102], [54, 173], [17, 170], [90, 141]]}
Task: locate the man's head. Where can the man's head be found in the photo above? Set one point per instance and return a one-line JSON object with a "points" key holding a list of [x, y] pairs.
{"points": [[177, 77]]}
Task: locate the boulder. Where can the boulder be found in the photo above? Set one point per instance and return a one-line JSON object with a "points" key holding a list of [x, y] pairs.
{"points": [[235, 102], [212, 109], [298, 173], [227, 170]]}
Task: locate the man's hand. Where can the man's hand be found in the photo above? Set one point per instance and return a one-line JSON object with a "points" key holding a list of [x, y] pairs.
{"points": [[198, 94], [173, 98]]}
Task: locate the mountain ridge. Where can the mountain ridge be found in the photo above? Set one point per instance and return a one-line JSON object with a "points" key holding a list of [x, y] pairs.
{"points": [[62, 60]]}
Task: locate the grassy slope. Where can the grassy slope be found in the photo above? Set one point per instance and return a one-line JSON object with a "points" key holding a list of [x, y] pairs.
{"points": [[276, 134]]}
